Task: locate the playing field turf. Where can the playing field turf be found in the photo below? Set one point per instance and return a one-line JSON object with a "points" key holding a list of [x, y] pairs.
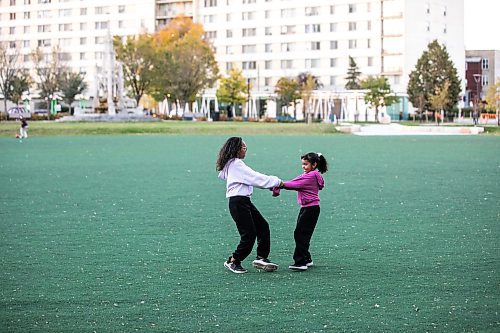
{"points": [[129, 233]]}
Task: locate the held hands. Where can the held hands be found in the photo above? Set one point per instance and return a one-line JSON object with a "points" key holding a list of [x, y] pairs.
{"points": [[276, 190]]}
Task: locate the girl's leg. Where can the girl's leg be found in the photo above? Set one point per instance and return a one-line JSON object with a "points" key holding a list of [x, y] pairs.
{"points": [[240, 210], [263, 233], [306, 222]]}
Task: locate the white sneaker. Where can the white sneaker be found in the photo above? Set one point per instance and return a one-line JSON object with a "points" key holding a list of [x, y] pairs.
{"points": [[264, 264], [296, 267], [310, 264]]}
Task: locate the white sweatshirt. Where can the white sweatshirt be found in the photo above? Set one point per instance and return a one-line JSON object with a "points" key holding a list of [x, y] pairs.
{"points": [[240, 179]]}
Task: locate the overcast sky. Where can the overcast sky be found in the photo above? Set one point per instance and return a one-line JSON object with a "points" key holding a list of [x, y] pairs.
{"points": [[482, 24]]}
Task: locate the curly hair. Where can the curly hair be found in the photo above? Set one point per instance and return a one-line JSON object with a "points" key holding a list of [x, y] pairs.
{"points": [[229, 150]]}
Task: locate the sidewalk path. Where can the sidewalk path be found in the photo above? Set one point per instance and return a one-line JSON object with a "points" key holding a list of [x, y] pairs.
{"points": [[397, 129]]}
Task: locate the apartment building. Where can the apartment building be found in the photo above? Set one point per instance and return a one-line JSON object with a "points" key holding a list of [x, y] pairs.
{"points": [[80, 29], [269, 39], [485, 64]]}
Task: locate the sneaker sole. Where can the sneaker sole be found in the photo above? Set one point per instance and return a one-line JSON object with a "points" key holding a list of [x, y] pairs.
{"points": [[235, 272], [267, 268], [298, 269]]}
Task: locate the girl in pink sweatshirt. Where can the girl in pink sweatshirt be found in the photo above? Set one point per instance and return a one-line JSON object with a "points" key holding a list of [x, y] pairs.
{"points": [[307, 186]]}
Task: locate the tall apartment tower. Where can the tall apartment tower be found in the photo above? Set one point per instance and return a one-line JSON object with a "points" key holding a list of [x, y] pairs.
{"points": [[80, 29], [269, 39]]}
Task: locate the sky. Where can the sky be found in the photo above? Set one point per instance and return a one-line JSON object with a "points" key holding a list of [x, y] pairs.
{"points": [[482, 24]]}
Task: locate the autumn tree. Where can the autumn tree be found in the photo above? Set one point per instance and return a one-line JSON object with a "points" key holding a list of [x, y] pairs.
{"points": [[378, 93], [287, 90], [232, 89], [433, 68], [71, 85], [138, 56], [49, 70], [187, 62], [9, 69], [353, 74], [20, 84], [307, 84], [439, 99]]}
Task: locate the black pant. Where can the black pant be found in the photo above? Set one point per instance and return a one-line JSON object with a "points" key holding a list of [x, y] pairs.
{"points": [[306, 222], [251, 226]]}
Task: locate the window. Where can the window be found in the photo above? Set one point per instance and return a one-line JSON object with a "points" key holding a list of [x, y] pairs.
{"points": [[333, 27], [44, 1], [368, 7], [210, 3], [267, 14], [445, 29], [121, 9], [286, 64], [287, 29], [209, 19], [427, 8], [248, 32], [332, 9], [229, 66], [99, 40], [12, 44], [334, 45], [248, 1], [65, 12], [333, 62], [12, 30], [26, 58], [352, 8], [268, 48], [246, 16], [312, 11], [65, 27], [65, 56], [82, 56], [83, 26], [332, 80], [268, 31], [369, 25], [485, 63], [229, 49], [485, 80], [101, 25], [27, 2], [267, 81], [211, 34], [444, 11], [65, 41], [99, 55], [229, 33], [121, 24], [315, 46], [83, 11], [43, 42], [428, 26], [249, 65], [12, 16], [312, 28], [26, 43], [83, 40], [268, 64], [248, 48], [312, 63], [353, 43], [288, 12], [26, 29], [369, 43], [352, 26], [228, 17], [369, 61], [287, 47], [41, 14], [27, 15], [43, 28]]}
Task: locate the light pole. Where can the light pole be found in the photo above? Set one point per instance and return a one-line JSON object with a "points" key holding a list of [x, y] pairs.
{"points": [[477, 77]]}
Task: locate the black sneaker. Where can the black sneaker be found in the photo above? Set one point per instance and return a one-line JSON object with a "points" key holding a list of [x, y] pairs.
{"points": [[234, 266], [309, 262], [264, 264], [298, 267]]}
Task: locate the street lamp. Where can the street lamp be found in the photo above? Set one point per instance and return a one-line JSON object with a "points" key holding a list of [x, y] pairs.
{"points": [[477, 77]]}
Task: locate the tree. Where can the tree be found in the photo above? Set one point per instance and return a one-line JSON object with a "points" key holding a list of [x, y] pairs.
{"points": [[9, 68], [232, 89], [440, 98], [187, 60], [49, 70], [307, 83], [72, 84], [493, 96], [287, 90], [137, 54], [20, 84], [433, 68], [379, 93], [353, 74]]}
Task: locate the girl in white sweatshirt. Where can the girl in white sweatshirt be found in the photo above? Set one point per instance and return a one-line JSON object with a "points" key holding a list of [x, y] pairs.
{"points": [[251, 225]]}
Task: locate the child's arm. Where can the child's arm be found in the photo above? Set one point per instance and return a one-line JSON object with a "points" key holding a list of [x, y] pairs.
{"points": [[297, 183], [250, 177]]}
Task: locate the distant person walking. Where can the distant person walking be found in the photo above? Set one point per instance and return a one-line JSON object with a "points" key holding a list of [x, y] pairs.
{"points": [[240, 180], [307, 186], [23, 131]]}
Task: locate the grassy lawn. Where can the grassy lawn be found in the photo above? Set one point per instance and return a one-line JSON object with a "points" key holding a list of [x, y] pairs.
{"points": [[44, 128], [127, 233]]}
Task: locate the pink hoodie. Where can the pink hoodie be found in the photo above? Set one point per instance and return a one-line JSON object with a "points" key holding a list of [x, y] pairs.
{"points": [[307, 186]]}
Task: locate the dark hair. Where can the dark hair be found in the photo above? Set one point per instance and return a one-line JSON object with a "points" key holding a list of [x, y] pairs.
{"points": [[229, 150], [317, 158]]}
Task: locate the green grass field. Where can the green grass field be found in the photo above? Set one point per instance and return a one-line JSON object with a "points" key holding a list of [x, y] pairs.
{"points": [[129, 233]]}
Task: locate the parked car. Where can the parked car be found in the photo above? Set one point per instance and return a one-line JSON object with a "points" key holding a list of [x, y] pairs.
{"points": [[18, 111]]}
